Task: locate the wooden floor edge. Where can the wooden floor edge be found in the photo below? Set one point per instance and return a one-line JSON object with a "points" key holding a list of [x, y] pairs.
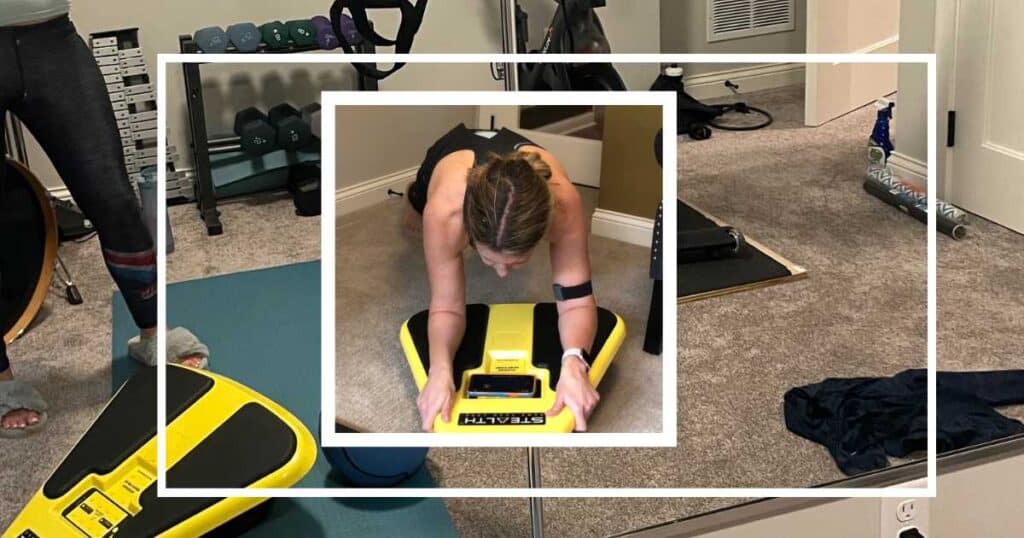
{"points": [[744, 287]]}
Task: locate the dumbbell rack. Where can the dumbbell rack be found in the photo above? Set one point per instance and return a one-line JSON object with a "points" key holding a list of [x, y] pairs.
{"points": [[132, 93], [179, 183], [205, 195]]}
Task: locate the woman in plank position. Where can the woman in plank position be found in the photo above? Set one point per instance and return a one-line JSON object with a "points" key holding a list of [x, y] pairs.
{"points": [[500, 194]]}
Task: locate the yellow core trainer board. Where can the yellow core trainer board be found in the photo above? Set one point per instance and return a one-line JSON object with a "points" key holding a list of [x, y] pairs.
{"points": [[220, 434], [510, 340]]}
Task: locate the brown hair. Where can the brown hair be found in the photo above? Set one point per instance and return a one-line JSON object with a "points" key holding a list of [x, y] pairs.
{"points": [[508, 204]]}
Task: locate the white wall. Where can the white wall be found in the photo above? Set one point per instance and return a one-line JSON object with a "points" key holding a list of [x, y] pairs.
{"points": [[684, 30], [921, 27], [983, 501], [376, 141], [448, 26], [849, 26], [917, 34]]}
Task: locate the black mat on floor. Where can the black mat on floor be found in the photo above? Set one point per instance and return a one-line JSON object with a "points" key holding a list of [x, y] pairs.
{"points": [[750, 266]]}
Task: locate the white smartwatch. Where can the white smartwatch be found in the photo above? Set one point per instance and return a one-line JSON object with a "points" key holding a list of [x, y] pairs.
{"points": [[580, 354]]}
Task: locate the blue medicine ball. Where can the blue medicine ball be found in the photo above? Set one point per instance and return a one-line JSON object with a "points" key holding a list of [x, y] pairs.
{"points": [[374, 466]]}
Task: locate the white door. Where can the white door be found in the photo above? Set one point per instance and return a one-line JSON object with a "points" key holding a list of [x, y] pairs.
{"points": [[580, 156], [988, 156], [848, 26]]}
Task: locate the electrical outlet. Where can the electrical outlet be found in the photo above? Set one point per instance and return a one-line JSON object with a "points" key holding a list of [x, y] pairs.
{"points": [[906, 511], [899, 514]]}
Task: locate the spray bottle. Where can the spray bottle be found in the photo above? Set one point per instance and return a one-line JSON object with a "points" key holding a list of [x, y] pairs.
{"points": [[879, 144]]}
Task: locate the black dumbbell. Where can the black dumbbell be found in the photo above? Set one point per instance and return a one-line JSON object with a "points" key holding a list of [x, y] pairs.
{"points": [[292, 132], [257, 135], [311, 117], [304, 185]]}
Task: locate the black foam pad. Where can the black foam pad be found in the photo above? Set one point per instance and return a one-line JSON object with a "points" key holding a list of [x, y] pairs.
{"points": [[547, 345], [252, 443], [127, 423], [747, 266], [249, 445], [471, 351]]}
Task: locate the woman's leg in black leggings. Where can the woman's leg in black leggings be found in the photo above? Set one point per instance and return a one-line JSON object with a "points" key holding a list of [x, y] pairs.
{"points": [[16, 418], [68, 110], [5, 363], [8, 93]]}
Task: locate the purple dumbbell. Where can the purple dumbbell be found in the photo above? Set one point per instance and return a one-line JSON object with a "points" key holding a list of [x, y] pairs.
{"points": [[325, 37], [348, 28]]}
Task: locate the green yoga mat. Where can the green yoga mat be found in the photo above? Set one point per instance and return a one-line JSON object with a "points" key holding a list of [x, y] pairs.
{"points": [[263, 330]]}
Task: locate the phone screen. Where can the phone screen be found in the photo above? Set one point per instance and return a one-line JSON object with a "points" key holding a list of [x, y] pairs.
{"points": [[501, 386]]}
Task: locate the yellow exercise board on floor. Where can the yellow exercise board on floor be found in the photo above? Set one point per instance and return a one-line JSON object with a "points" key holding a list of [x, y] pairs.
{"points": [[220, 434], [516, 340]]}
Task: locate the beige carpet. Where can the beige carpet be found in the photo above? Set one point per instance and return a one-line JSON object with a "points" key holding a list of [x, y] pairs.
{"points": [[381, 281]]}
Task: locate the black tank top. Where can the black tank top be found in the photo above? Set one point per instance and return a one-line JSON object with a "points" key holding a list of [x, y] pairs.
{"points": [[482, 142]]}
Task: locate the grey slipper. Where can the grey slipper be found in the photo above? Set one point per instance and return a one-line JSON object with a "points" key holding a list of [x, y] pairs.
{"points": [[16, 394], [180, 343]]}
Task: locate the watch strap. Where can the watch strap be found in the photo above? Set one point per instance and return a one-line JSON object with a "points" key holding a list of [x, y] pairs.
{"points": [[579, 353]]}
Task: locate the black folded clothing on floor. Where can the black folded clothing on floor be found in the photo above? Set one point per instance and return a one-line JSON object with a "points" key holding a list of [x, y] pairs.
{"points": [[862, 421]]}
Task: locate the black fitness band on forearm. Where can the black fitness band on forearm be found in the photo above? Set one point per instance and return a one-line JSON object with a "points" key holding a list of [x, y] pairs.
{"points": [[564, 293]]}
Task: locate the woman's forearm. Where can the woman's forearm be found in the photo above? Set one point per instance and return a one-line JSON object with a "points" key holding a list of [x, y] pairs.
{"points": [[577, 324], [445, 329]]}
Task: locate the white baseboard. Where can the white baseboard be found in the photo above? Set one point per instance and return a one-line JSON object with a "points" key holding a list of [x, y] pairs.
{"points": [[368, 193], [749, 79], [568, 125], [909, 169], [878, 46], [622, 227]]}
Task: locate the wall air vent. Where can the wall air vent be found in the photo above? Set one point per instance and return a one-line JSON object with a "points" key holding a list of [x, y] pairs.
{"points": [[733, 19]]}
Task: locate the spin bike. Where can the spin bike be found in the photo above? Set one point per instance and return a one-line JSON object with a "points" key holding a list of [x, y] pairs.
{"points": [[575, 28]]}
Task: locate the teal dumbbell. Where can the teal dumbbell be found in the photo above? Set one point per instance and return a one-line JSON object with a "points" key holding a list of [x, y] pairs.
{"points": [[275, 35], [301, 32]]}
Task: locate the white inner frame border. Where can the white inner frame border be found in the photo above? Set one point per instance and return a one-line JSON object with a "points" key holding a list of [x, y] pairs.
{"points": [[333, 99]]}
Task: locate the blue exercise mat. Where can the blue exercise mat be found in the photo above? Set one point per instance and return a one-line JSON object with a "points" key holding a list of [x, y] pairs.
{"points": [[263, 330]]}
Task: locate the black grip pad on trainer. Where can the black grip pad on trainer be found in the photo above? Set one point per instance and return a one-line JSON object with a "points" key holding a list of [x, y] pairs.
{"points": [[547, 345]]}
